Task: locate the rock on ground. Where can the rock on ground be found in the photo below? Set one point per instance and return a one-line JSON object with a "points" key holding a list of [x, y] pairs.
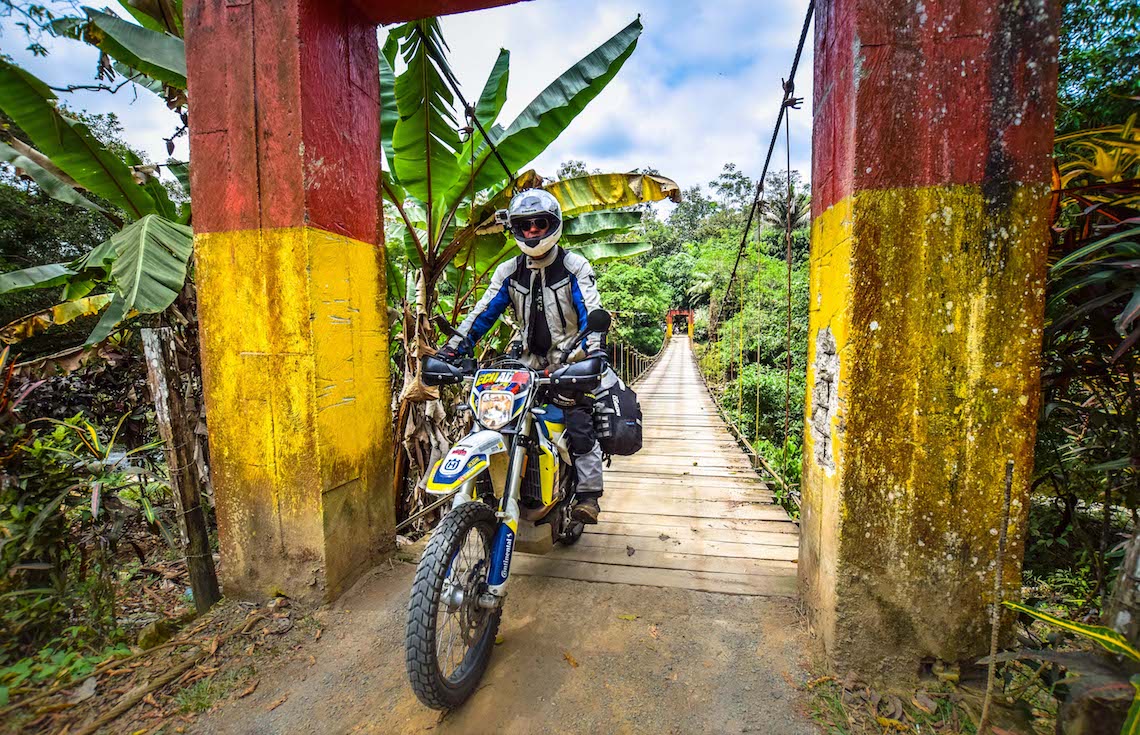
{"points": [[691, 662]]}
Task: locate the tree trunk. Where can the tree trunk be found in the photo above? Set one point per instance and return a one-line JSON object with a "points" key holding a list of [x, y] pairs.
{"points": [[1123, 611], [180, 445]]}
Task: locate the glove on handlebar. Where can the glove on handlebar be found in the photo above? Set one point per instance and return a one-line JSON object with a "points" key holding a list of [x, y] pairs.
{"points": [[449, 354]]}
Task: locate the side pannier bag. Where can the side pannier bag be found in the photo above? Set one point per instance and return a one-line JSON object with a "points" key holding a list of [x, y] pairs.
{"points": [[617, 417]]}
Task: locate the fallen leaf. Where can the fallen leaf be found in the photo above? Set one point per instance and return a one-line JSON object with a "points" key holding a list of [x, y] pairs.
{"points": [[312, 660], [891, 724], [816, 682], [653, 631], [499, 639], [924, 702], [627, 617], [318, 635], [84, 691], [214, 645], [250, 689], [277, 704], [630, 551], [570, 659], [663, 537]]}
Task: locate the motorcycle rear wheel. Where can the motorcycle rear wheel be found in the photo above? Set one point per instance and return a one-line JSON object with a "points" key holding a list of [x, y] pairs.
{"points": [[449, 638]]}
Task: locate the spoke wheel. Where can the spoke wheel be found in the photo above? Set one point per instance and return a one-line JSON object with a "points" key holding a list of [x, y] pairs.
{"points": [[449, 637]]}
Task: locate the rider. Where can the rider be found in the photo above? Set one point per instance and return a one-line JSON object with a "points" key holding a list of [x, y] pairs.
{"points": [[550, 291]]}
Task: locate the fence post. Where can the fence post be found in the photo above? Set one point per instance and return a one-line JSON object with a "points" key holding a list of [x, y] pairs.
{"points": [[180, 445]]}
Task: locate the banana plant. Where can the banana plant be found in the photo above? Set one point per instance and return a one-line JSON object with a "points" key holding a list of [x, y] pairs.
{"points": [[143, 266], [445, 186], [449, 172]]}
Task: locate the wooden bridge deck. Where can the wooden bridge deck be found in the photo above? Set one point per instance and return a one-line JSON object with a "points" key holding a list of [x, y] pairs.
{"points": [[687, 511]]}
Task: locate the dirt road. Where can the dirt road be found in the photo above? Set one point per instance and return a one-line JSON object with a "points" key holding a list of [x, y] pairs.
{"points": [[691, 662]]}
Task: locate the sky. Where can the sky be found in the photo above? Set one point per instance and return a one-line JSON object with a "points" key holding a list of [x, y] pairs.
{"points": [[702, 88]]}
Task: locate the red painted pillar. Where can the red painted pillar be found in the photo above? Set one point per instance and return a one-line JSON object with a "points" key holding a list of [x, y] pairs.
{"points": [[290, 277], [930, 174]]}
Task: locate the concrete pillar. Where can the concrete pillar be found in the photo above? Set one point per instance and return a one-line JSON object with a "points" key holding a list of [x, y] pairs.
{"points": [[932, 135], [290, 277]]}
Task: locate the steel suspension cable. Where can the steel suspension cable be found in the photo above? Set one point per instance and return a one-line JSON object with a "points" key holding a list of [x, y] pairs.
{"points": [[756, 432], [788, 331], [789, 101]]}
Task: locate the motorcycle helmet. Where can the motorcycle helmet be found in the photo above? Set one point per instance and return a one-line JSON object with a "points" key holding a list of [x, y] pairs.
{"points": [[535, 220]]}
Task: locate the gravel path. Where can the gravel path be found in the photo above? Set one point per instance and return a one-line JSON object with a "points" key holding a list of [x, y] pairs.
{"points": [[692, 662]]}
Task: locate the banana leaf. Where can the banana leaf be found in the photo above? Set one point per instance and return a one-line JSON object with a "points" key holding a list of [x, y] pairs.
{"points": [[544, 119], [1107, 638], [68, 142], [181, 172], [160, 56], [163, 16], [115, 313], [137, 77], [611, 191], [599, 224], [494, 93], [39, 276], [425, 140], [388, 113], [33, 324], [53, 182], [99, 257], [150, 263], [603, 252]]}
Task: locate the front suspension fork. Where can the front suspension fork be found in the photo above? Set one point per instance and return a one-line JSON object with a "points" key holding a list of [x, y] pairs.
{"points": [[503, 546]]}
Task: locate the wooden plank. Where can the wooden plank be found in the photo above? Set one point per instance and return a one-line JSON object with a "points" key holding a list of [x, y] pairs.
{"points": [[683, 534], [694, 472], [673, 560], [685, 481], [681, 462], [660, 522], [681, 492], [733, 584], [700, 548]]}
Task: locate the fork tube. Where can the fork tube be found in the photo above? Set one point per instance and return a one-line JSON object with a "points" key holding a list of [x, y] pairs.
{"points": [[504, 544]]}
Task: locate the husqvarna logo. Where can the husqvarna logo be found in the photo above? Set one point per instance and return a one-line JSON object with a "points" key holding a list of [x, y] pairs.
{"points": [[451, 466]]}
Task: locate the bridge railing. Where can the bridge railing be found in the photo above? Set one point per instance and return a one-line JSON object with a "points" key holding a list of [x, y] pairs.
{"points": [[788, 493], [630, 364]]}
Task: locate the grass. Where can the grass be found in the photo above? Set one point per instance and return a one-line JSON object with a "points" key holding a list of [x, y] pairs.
{"points": [[839, 711], [202, 695]]}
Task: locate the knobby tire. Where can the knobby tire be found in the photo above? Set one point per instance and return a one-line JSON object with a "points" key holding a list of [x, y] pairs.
{"points": [[428, 682]]}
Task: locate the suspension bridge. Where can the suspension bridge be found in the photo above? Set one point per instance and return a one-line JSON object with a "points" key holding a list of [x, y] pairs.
{"points": [[932, 130], [687, 511]]}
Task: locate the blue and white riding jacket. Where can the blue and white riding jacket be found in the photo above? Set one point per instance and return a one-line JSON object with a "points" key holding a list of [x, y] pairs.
{"points": [[569, 292]]}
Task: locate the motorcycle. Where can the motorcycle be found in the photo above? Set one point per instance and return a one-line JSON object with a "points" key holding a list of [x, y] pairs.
{"points": [[514, 481]]}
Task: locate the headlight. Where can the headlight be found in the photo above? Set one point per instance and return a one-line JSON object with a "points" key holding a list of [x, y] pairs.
{"points": [[495, 409]]}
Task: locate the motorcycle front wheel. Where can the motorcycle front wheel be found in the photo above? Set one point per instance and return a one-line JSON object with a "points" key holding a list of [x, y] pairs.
{"points": [[449, 637]]}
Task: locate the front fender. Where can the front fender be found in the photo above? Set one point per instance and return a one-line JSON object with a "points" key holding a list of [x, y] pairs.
{"points": [[470, 456]]}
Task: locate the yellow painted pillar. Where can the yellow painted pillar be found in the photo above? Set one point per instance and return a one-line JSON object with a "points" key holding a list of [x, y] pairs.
{"points": [[291, 291], [931, 169]]}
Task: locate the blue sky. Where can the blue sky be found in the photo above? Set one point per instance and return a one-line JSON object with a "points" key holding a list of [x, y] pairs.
{"points": [[702, 88]]}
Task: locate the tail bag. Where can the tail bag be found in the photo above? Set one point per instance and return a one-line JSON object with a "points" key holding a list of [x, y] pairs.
{"points": [[617, 417]]}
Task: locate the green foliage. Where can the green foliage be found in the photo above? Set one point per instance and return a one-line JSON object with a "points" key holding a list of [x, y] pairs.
{"points": [[1099, 74], [67, 491], [639, 301]]}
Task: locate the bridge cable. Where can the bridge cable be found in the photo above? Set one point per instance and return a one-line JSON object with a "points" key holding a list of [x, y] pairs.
{"points": [[788, 331], [790, 100]]}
